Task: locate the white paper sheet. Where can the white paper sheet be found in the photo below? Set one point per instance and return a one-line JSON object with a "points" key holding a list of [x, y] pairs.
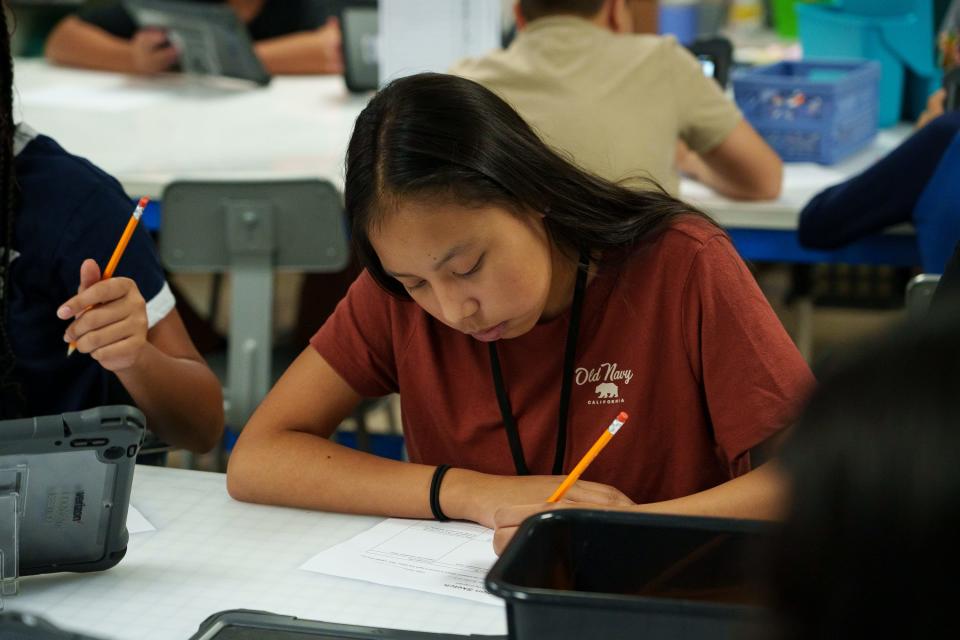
{"points": [[449, 558], [137, 522]]}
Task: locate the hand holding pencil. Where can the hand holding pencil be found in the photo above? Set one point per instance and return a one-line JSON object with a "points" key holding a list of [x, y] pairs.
{"points": [[508, 519], [109, 314], [589, 457]]}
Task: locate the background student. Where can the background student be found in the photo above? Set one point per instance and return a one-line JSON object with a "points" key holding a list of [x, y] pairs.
{"points": [[290, 37], [889, 192], [617, 103], [500, 280], [869, 545], [60, 219]]}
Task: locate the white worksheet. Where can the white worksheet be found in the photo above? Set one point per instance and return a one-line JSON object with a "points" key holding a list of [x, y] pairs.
{"points": [[448, 558], [136, 522]]}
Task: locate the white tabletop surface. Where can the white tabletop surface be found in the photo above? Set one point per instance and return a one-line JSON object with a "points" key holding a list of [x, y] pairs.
{"points": [[148, 132], [211, 553]]}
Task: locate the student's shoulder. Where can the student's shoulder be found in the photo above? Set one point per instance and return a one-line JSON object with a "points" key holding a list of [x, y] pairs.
{"points": [[494, 64], [647, 47], [680, 245], [691, 233], [43, 163]]}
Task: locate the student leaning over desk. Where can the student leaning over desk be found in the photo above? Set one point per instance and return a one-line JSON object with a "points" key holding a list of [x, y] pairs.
{"points": [[622, 104], [57, 211], [472, 230], [290, 37]]}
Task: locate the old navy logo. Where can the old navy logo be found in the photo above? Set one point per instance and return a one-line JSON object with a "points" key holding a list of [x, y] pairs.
{"points": [[605, 378]]}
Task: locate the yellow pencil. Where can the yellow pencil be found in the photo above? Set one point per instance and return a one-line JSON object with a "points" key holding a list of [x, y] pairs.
{"points": [[118, 252], [588, 457]]}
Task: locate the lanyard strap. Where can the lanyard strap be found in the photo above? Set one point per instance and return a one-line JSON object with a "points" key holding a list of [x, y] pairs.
{"points": [[509, 422]]}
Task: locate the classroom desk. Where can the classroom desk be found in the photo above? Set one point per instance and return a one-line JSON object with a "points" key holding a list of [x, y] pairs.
{"points": [[766, 231], [211, 553], [148, 132]]}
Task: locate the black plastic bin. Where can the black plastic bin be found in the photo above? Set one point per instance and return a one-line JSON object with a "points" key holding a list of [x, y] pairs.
{"points": [[593, 574]]}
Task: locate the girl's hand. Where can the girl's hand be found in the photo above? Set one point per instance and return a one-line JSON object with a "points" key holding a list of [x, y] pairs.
{"points": [[468, 495], [507, 520], [110, 319]]}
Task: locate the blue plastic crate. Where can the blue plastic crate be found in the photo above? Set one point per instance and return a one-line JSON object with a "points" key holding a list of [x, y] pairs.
{"points": [[812, 111]]}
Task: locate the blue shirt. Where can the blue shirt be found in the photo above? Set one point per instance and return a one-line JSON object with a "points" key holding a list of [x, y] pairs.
{"points": [[68, 210], [883, 196]]}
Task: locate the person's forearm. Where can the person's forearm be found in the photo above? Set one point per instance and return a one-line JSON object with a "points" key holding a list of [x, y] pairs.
{"points": [[307, 471], [297, 53], [761, 185], [78, 44], [180, 397], [757, 495]]}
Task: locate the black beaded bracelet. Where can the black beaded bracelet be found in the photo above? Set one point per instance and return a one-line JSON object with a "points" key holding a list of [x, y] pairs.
{"points": [[438, 474]]}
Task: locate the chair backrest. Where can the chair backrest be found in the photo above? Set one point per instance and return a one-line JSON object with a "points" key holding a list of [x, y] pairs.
{"points": [[250, 229], [920, 292], [298, 224]]}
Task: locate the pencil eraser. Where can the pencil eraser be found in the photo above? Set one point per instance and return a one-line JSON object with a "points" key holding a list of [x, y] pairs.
{"points": [[143, 202], [622, 416]]}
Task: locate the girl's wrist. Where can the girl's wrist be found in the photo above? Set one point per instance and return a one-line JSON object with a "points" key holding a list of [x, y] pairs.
{"points": [[457, 494]]}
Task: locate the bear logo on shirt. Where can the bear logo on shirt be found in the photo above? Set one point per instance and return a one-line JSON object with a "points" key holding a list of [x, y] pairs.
{"points": [[607, 390]]}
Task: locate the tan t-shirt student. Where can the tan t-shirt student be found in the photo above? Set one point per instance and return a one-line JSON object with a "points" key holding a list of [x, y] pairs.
{"points": [[617, 103]]}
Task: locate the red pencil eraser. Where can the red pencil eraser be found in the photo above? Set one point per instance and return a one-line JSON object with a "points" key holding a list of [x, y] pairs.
{"points": [[622, 416], [143, 201]]}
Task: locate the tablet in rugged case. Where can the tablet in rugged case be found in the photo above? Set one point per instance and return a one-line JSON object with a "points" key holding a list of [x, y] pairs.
{"points": [[71, 476], [359, 26], [716, 58], [210, 37], [241, 624]]}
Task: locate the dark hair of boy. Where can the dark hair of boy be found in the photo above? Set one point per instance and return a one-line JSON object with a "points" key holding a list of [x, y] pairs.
{"points": [[868, 549], [10, 391], [473, 148], [533, 9]]}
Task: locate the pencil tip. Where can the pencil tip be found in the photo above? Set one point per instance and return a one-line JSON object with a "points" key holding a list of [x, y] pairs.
{"points": [[70, 350]]}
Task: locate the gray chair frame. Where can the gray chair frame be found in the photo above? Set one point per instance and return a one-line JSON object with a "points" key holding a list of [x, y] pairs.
{"points": [[250, 230]]}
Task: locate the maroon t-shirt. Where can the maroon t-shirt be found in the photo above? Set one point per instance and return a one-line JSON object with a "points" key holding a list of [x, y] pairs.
{"points": [[679, 335]]}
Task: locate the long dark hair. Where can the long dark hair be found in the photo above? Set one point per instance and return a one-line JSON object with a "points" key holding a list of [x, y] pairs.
{"points": [[10, 392], [868, 549], [434, 135]]}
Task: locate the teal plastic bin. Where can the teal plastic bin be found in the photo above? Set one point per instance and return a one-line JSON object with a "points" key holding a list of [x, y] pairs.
{"points": [[900, 43], [879, 7]]}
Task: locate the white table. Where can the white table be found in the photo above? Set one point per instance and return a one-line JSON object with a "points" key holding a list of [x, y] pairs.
{"points": [[149, 132], [211, 553], [801, 181]]}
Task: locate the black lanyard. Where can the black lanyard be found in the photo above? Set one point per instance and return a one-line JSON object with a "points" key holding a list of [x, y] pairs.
{"points": [[509, 423]]}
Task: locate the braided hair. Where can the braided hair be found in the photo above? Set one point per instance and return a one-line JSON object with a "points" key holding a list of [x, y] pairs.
{"points": [[11, 396]]}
